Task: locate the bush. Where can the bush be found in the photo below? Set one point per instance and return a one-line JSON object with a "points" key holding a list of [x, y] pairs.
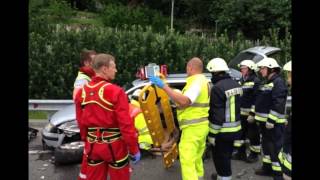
{"points": [[54, 54]]}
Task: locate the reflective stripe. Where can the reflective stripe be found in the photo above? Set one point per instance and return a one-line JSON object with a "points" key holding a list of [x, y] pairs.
{"points": [[256, 149], [224, 177], [232, 109], [277, 117], [266, 159], [238, 143], [253, 108], [261, 116], [82, 176], [200, 105], [227, 110], [245, 111], [246, 87], [248, 84], [285, 159], [226, 127], [276, 166], [143, 130], [192, 121], [266, 87]]}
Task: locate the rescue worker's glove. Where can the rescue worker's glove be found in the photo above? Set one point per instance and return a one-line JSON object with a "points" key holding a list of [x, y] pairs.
{"points": [[157, 81], [212, 141], [269, 125], [135, 158], [250, 119]]}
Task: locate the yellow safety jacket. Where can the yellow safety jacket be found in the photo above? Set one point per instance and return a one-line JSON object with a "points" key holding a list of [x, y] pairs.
{"points": [[196, 113]]}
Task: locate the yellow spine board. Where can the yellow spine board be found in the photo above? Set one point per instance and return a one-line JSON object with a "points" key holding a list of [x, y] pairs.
{"points": [[151, 111]]}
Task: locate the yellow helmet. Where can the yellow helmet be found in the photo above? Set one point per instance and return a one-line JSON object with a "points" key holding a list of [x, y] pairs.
{"points": [[217, 64], [287, 66]]}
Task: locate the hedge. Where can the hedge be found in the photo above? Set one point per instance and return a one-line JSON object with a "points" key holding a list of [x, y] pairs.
{"points": [[54, 53]]}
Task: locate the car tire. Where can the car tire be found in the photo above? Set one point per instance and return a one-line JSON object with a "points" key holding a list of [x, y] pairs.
{"points": [[64, 155]]}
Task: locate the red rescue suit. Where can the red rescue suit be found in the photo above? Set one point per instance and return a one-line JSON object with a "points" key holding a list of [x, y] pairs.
{"points": [[102, 111]]}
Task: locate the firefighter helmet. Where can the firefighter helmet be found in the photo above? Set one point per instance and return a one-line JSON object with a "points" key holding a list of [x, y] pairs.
{"points": [[249, 63], [287, 66], [217, 64], [268, 62]]}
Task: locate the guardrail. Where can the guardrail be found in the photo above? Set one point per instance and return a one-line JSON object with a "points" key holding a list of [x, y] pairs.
{"points": [[56, 105], [48, 105]]}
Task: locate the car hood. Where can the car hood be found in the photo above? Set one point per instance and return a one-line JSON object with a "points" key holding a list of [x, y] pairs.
{"points": [[64, 115]]}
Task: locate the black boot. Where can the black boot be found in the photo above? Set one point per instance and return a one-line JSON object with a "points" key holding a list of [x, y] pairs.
{"points": [[263, 171], [240, 154], [252, 158], [214, 176]]}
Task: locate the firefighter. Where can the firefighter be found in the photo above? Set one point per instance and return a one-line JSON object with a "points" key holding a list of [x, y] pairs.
{"points": [[285, 153], [85, 74], [192, 114], [144, 139], [102, 112], [270, 113], [249, 83], [224, 117]]}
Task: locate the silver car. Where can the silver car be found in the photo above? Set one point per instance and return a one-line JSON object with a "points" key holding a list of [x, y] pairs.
{"points": [[62, 134]]}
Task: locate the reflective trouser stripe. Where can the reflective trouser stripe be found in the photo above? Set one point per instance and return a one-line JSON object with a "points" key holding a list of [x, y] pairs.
{"points": [[260, 118], [238, 143], [226, 127], [191, 147], [184, 122], [232, 109], [256, 149], [283, 157], [266, 159], [224, 177], [276, 166]]}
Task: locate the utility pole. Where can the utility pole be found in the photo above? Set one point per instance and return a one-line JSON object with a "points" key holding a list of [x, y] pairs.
{"points": [[172, 6]]}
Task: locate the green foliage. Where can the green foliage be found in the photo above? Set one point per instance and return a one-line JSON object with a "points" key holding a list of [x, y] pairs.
{"points": [[122, 16], [252, 17], [54, 53]]}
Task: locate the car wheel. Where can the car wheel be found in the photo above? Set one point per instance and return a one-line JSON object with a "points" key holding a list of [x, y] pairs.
{"points": [[69, 153]]}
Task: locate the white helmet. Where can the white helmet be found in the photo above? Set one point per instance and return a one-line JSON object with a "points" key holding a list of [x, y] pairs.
{"points": [[268, 62], [217, 64], [136, 93], [249, 63], [287, 66]]}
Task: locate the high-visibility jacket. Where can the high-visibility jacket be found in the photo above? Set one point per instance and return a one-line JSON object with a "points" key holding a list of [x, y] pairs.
{"points": [[144, 138], [249, 87], [85, 74], [271, 100], [197, 112], [103, 104], [224, 113]]}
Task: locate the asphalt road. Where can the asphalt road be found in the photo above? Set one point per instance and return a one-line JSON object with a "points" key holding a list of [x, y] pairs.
{"points": [[41, 166]]}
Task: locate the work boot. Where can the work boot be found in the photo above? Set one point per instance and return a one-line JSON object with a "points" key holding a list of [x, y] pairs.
{"points": [[252, 158], [263, 172], [214, 176], [239, 155], [278, 178]]}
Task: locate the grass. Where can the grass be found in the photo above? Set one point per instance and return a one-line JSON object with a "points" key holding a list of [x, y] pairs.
{"points": [[38, 115]]}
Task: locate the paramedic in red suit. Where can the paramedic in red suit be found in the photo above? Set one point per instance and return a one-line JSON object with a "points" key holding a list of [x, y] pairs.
{"points": [[102, 111]]}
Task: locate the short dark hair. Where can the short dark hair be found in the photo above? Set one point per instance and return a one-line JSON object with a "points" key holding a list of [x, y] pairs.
{"points": [[85, 55]]}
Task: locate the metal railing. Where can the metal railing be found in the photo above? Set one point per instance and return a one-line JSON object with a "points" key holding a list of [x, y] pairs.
{"points": [[48, 104], [56, 105]]}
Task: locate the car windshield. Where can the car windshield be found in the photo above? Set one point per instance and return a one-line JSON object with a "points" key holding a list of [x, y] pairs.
{"points": [[242, 56]]}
